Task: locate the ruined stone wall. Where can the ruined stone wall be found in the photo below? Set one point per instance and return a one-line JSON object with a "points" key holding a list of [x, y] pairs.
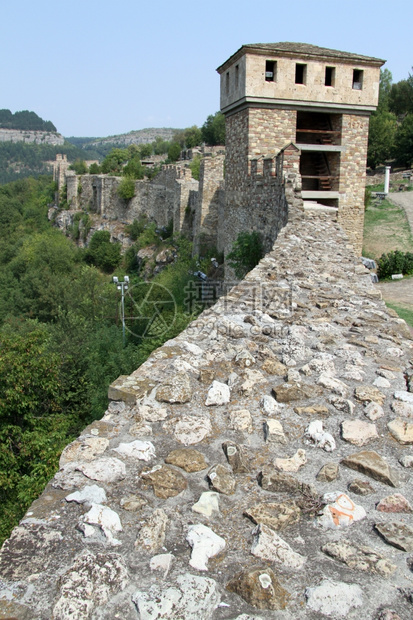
{"points": [[354, 135], [211, 195], [257, 465]]}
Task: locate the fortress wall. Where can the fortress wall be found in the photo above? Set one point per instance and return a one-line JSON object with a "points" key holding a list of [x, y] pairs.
{"points": [[294, 385]]}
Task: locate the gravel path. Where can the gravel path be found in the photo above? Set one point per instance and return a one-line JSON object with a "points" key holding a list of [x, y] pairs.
{"points": [[400, 291], [405, 200]]}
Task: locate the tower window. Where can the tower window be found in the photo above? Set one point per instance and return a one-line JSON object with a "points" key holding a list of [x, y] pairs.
{"points": [[270, 71], [358, 79], [236, 76], [300, 74], [330, 76], [227, 83]]}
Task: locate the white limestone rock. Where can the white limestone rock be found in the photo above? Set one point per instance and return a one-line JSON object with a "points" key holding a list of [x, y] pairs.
{"points": [[90, 494], [321, 439], [83, 449], [373, 411], [292, 464], [251, 378], [192, 598], [140, 450], [334, 599], [334, 385], [405, 397], [240, 420], [381, 382], [106, 519], [401, 409], [340, 511], [218, 394], [357, 432], [273, 431], [208, 504], [106, 469], [162, 562], [267, 545], [188, 429], [205, 544], [269, 405]]}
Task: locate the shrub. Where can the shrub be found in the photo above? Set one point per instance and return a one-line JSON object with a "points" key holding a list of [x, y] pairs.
{"points": [[246, 253], [126, 188], [395, 262]]}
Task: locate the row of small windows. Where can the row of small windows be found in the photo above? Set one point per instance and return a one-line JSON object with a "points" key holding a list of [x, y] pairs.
{"points": [[301, 74]]}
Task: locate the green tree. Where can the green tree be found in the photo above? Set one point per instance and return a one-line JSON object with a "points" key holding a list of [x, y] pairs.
{"points": [[401, 97], [79, 166], [213, 130], [382, 135], [126, 188], [246, 253], [94, 168], [102, 252], [174, 151], [404, 142]]}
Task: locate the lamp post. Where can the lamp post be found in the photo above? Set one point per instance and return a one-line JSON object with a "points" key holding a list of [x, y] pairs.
{"points": [[122, 287]]}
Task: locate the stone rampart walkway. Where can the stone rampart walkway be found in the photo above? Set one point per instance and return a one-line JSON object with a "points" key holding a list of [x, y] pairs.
{"points": [[257, 466]]}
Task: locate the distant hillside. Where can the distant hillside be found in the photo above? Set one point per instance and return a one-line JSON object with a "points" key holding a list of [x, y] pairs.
{"points": [[139, 136], [25, 121]]}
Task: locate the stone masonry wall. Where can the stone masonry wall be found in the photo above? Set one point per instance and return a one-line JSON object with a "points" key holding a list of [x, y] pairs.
{"points": [[255, 467], [352, 176], [211, 195]]}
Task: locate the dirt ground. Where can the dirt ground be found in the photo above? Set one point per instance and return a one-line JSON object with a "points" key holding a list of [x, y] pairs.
{"points": [[405, 200]]}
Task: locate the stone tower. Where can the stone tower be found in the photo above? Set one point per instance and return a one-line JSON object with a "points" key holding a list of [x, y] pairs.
{"points": [[316, 98]]}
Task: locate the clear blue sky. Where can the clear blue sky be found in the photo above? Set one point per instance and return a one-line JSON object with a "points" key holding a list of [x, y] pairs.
{"points": [[100, 67]]}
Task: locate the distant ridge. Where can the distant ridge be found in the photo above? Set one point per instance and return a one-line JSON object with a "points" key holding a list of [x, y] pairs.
{"points": [[139, 136]]}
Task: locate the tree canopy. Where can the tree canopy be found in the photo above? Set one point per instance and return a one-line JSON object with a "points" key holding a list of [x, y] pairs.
{"points": [[24, 120]]}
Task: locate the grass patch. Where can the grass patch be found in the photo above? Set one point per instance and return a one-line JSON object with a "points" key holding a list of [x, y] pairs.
{"points": [[385, 229], [404, 311]]}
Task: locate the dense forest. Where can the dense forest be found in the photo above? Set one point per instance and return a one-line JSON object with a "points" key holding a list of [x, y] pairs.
{"points": [[24, 120], [61, 340], [391, 125]]}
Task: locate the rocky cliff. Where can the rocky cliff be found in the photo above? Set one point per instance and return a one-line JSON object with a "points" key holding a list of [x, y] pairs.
{"points": [[33, 137], [257, 466]]}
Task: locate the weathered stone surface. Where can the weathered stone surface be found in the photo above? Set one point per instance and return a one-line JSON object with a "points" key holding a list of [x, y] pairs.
{"points": [[208, 504], [401, 409], [189, 429], [218, 394], [388, 614], [367, 393], [398, 534], [267, 545], [235, 457], [342, 404], [359, 557], [406, 460], [162, 563], [260, 588], [191, 597], [394, 503], [152, 533], [177, 389], [133, 503], [288, 392], [318, 410], [358, 432], [269, 405], [276, 515], [188, 459], [401, 430], [371, 464], [278, 482], [274, 367], [292, 464], [166, 482], [339, 511], [328, 473], [404, 397], [205, 544], [333, 385], [221, 479], [240, 420], [83, 449], [361, 487], [334, 599], [89, 583]]}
